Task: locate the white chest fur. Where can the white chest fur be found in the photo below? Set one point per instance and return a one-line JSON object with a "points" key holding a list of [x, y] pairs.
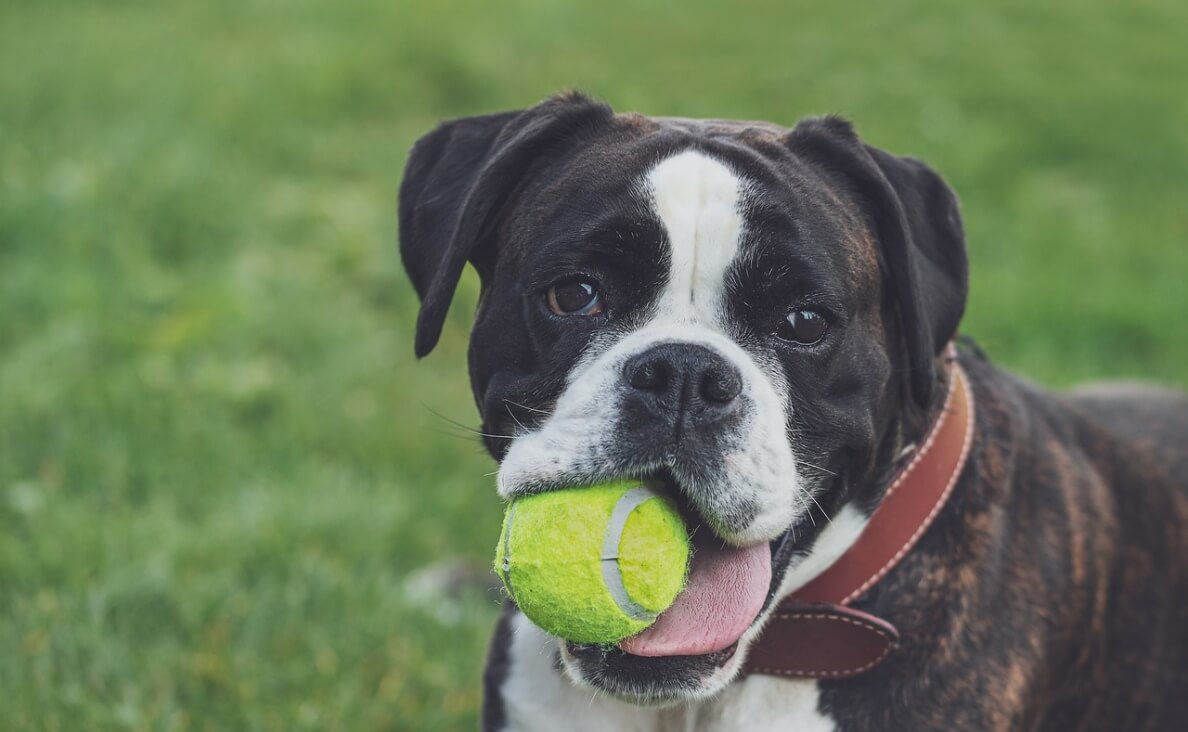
{"points": [[538, 698]]}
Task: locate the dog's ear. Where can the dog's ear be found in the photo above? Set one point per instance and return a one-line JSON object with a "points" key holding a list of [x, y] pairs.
{"points": [[921, 241], [458, 179]]}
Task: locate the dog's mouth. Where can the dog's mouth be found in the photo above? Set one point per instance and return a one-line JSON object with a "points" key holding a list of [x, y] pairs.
{"points": [[643, 679], [724, 596]]}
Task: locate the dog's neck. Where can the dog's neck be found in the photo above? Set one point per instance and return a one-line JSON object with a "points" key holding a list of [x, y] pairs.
{"points": [[814, 633]]}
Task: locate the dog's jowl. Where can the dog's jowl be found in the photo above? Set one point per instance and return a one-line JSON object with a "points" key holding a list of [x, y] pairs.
{"points": [[760, 320]]}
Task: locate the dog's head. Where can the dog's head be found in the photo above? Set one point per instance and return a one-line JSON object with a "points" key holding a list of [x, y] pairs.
{"points": [[749, 315]]}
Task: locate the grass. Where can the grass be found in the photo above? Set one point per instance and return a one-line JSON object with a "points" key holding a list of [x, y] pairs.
{"points": [[224, 487]]}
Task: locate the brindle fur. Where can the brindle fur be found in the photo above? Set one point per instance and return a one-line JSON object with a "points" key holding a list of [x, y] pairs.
{"points": [[1052, 591]]}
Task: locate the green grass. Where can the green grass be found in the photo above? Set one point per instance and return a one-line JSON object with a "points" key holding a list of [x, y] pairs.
{"points": [[219, 463]]}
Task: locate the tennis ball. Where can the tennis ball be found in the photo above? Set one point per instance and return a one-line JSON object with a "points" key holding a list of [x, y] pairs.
{"points": [[594, 564]]}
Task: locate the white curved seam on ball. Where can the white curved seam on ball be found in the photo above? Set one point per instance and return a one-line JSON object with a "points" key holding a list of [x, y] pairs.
{"points": [[511, 512], [611, 575]]}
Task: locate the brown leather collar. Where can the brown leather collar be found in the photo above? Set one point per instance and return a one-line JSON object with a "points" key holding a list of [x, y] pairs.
{"points": [[813, 633]]}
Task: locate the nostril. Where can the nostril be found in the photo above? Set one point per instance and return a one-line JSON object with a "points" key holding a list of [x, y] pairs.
{"points": [[688, 377], [720, 385], [650, 374]]}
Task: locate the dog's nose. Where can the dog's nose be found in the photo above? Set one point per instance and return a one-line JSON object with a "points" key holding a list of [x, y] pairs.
{"points": [[676, 380]]}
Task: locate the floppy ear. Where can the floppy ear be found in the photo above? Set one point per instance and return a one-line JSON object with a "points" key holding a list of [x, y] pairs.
{"points": [[920, 237], [458, 180]]}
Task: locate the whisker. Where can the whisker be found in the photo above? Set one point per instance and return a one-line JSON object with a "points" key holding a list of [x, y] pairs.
{"points": [[467, 435], [515, 419], [475, 431], [814, 500], [452, 421], [525, 406], [818, 467]]}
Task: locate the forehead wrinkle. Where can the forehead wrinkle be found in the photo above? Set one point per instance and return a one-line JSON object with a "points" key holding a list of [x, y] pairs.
{"points": [[863, 261], [698, 201], [861, 247], [815, 216]]}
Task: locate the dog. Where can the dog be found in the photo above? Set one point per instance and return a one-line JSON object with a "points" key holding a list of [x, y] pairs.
{"points": [[759, 320]]}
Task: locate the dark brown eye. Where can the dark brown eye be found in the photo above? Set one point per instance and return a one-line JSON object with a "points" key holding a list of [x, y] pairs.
{"points": [[805, 327], [575, 297]]}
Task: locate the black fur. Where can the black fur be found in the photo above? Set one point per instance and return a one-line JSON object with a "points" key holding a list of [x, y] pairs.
{"points": [[457, 180]]}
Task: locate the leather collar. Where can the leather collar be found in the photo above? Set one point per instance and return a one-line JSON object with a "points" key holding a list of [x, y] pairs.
{"points": [[814, 633]]}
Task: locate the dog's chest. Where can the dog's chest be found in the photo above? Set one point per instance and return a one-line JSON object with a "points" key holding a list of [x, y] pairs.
{"points": [[537, 697], [759, 703]]}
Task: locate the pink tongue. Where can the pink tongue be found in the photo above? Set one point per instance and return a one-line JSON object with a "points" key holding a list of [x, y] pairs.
{"points": [[726, 590]]}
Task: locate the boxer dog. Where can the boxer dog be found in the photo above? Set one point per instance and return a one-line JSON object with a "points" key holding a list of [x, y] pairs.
{"points": [[757, 319]]}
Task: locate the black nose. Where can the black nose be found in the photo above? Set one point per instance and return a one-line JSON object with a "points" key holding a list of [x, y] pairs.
{"points": [[683, 380]]}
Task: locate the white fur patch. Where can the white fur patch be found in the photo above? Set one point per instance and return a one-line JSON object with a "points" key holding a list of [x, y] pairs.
{"points": [[537, 698], [833, 541], [760, 703], [573, 441], [698, 200]]}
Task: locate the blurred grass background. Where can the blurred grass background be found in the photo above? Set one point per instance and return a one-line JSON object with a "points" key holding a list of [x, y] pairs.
{"points": [[221, 474]]}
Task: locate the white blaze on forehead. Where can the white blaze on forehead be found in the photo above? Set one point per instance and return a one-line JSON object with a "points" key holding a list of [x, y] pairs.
{"points": [[698, 200]]}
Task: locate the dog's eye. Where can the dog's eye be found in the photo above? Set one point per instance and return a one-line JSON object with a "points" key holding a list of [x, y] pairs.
{"points": [[805, 327], [575, 297]]}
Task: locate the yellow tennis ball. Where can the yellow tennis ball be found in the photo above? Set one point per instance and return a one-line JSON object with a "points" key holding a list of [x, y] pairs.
{"points": [[594, 564]]}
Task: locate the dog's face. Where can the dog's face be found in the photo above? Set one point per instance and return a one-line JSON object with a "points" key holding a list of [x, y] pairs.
{"points": [[744, 314]]}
